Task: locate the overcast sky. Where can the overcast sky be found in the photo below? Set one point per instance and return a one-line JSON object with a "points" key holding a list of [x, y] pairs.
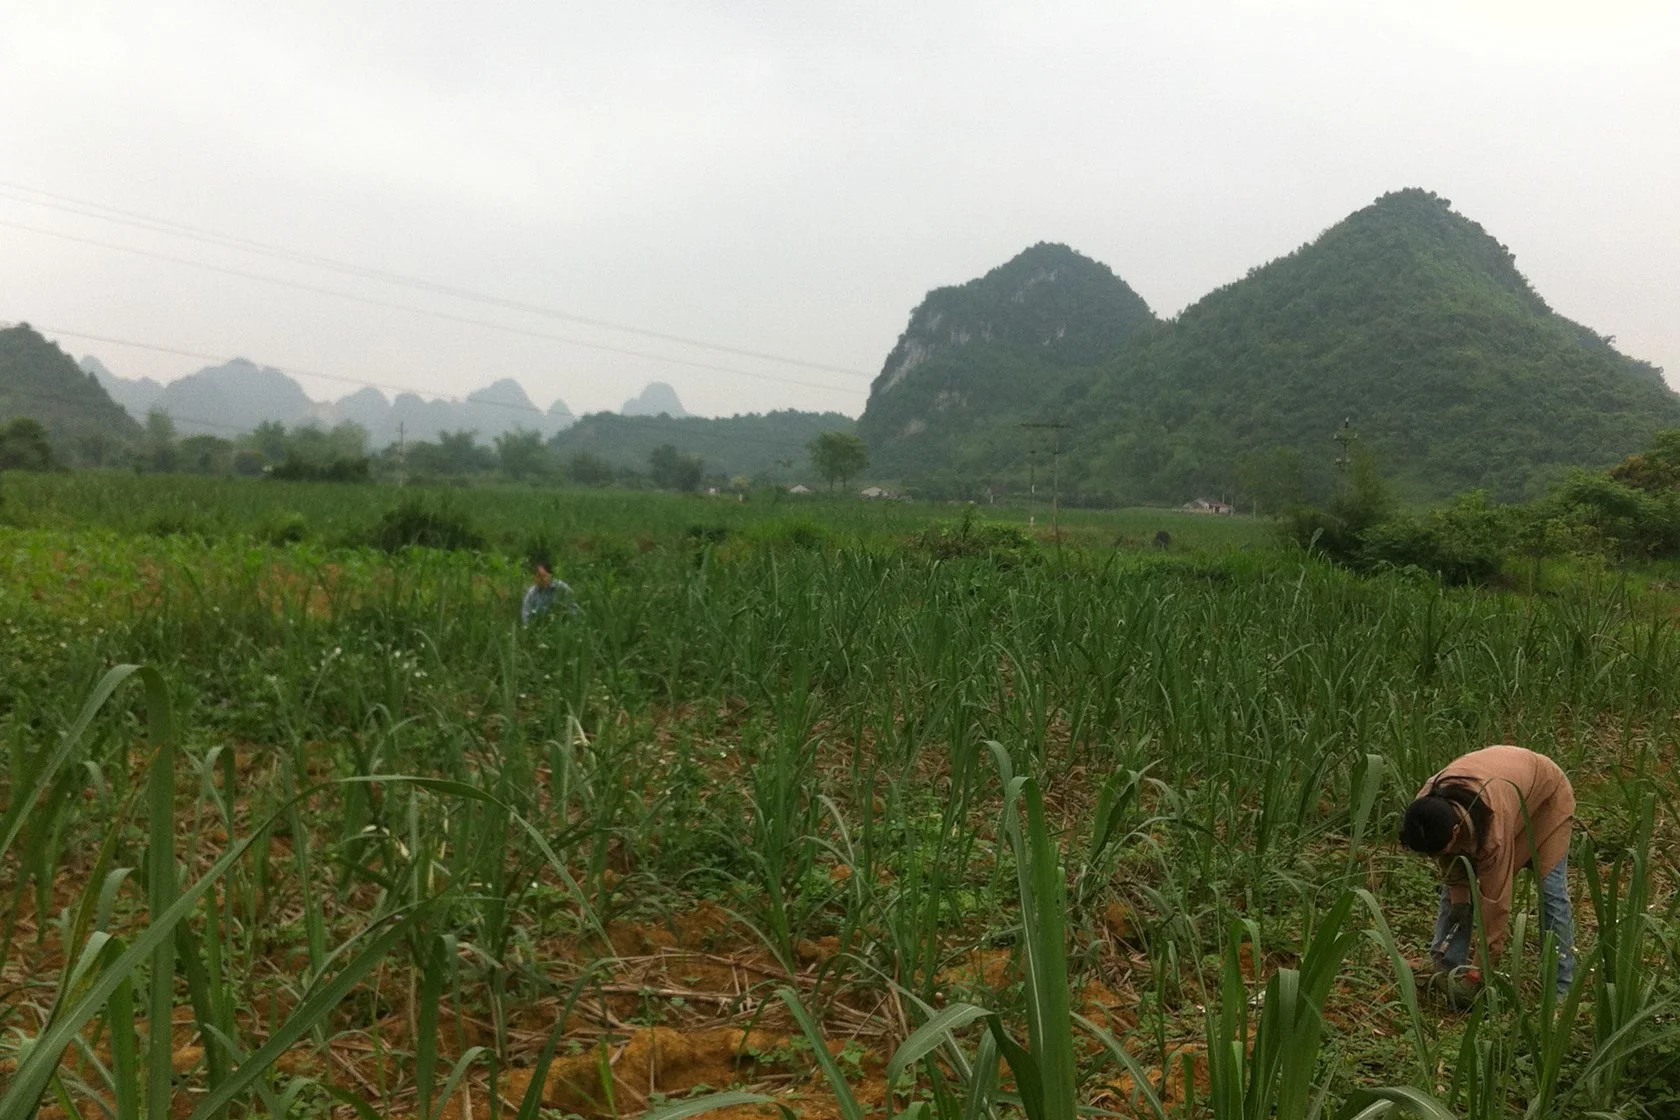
{"points": [[787, 178]]}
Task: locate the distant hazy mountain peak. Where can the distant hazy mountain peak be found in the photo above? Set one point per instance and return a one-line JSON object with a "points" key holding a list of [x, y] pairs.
{"points": [[506, 391], [658, 399], [136, 396]]}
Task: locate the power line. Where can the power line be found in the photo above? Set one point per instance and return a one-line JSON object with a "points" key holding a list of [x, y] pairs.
{"points": [[167, 227], [445, 315]]}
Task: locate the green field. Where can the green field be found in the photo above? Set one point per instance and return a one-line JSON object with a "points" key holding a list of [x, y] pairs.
{"points": [[920, 782]]}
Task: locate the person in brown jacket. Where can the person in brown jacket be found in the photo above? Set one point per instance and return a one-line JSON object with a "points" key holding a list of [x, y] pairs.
{"points": [[1482, 818]]}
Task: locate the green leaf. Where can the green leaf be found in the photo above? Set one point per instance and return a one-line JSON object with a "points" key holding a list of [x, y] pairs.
{"points": [[714, 1102], [849, 1107], [931, 1035]]}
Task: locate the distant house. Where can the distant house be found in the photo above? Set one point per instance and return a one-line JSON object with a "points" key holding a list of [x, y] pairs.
{"points": [[1203, 505], [799, 488], [877, 492]]}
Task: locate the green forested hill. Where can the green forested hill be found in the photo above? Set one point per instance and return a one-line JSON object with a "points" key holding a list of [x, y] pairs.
{"points": [[1406, 319], [978, 358], [39, 380], [755, 444]]}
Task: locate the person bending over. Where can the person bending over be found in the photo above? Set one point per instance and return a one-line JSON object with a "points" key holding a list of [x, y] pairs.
{"points": [[1482, 818]]}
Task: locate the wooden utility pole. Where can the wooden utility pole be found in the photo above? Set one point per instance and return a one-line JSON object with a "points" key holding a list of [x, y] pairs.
{"points": [[1056, 428]]}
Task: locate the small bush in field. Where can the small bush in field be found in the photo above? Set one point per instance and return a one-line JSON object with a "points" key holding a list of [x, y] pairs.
{"points": [[416, 523], [794, 532], [286, 528], [1464, 543], [1004, 545]]}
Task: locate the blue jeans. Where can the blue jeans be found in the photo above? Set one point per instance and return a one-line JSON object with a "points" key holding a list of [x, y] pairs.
{"points": [[1451, 946]]}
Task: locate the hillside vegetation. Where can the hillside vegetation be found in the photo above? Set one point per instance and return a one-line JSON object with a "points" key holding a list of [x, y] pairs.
{"points": [[40, 381], [1406, 318], [770, 445], [979, 358]]}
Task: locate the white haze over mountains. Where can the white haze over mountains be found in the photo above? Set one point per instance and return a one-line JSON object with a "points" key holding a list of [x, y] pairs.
{"points": [[786, 178], [236, 396]]}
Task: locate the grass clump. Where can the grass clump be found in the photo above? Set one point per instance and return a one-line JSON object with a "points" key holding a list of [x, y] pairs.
{"points": [[417, 523], [1003, 545]]}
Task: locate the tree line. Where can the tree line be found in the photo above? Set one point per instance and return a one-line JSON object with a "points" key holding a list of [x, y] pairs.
{"points": [[311, 453]]}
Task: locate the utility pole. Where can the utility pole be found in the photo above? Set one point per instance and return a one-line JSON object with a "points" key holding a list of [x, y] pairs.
{"points": [[1345, 439], [1032, 482], [402, 453], [1056, 428]]}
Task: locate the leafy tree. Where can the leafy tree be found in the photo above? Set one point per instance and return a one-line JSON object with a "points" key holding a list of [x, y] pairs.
{"points": [[1272, 481], [158, 445], [24, 446], [750, 444], [348, 440], [269, 438], [672, 470], [838, 456], [338, 468], [1656, 468], [589, 470], [205, 455], [454, 454], [247, 462], [522, 453], [1339, 529]]}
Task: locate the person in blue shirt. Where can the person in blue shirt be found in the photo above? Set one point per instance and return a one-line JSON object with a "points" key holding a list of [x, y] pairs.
{"points": [[543, 593]]}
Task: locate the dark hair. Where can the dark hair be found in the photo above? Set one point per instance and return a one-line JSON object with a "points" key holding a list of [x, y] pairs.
{"points": [[1429, 820]]}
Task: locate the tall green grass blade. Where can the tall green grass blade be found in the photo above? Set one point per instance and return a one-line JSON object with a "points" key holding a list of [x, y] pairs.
{"points": [[161, 890], [24, 799], [311, 1011], [431, 965], [931, 1035], [1141, 1087], [843, 1095], [119, 1019], [715, 1102], [1044, 906], [462, 1064], [1375, 1104], [1367, 785], [982, 1080], [531, 1104]]}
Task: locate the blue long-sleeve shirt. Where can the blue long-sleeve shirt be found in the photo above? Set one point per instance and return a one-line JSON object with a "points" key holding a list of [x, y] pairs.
{"points": [[540, 599]]}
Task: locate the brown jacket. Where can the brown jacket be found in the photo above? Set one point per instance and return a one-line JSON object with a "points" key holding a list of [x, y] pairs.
{"points": [[1532, 804]]}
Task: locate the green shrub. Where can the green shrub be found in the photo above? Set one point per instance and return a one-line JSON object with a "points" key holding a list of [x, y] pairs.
{"points": [[1617, 517], [1005, 545], [707, 534], [177, 524], [1465, 542], [793, 532], [286, 528], [337, 469], [414, 522], [1338, 530]]}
